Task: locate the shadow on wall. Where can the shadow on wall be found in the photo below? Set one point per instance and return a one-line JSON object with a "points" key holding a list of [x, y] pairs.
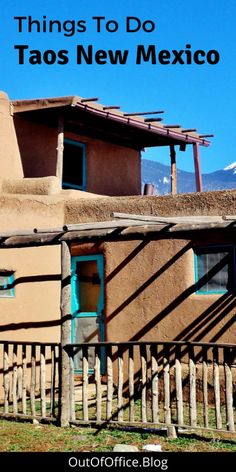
{"points": [[32, 324], [203, 324], [195, 331]]}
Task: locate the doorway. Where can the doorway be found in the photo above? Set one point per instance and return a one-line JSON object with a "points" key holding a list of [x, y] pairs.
{"points": [[87, 296]]}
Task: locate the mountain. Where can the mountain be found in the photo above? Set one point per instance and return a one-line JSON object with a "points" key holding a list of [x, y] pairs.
{"points": [[159, 174]]}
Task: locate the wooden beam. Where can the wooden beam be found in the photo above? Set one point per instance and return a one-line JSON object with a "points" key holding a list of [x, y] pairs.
{"points": [[152, 120], [197, 166], [143, 229], [111, 107], [99, 233], [144, 113], [170, 219], [122, 223], [92, 99], [44, 238], [60, 147], [229, 217], [172, 126], [200, 226], [65, 333], [173, 170]]}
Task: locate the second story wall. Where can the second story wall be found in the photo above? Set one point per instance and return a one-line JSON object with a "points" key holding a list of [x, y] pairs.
{"points": [[109, 169], [37, 144]]}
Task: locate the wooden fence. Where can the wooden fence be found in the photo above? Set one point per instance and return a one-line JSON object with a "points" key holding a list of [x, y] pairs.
{"points": [[30, 379], [184, 384]]}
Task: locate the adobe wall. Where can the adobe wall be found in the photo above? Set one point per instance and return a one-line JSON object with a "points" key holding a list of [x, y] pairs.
{"points": [[202, 203], [10, 160], [150, 292], [111, 169], [38, 147], [74, 206], [33, 314]]}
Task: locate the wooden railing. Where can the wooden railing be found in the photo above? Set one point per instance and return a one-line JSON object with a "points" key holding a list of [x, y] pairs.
{"points": [[185, 384], [30, 379]]}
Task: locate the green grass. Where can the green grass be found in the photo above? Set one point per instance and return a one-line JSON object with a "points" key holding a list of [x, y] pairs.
{"points": [[27, 437]]}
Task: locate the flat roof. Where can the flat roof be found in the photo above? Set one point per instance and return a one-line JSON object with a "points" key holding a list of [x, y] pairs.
{"points": [[87, 116]]}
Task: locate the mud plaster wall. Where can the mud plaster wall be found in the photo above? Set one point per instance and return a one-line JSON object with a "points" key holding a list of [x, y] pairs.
{"points": [[150, 293], [34, 313], [10, 160], [204, 203], [37, 144], [111, 169]]}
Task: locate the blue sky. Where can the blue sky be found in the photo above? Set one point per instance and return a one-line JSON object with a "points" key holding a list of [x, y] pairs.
{"points": [[201, 97]]}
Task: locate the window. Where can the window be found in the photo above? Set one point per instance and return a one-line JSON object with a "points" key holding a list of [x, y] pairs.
{"points": [[214, 269], [74, 165], [6, 284]]}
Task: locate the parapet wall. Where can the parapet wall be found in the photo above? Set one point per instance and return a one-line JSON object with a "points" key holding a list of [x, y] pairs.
{"points": [[68, 207]]}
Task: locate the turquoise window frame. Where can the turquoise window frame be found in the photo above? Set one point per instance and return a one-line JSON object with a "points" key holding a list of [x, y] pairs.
{"points": [[76, 313], [10, 282], [221, 248], [84, 173]]}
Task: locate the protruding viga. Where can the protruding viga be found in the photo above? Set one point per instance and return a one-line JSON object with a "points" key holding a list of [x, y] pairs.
{"points": [[10, 160]]}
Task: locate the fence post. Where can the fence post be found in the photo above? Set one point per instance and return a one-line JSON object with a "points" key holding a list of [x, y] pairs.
{"points": [[6, 379], [178, 383], [64, 399], [229, 390], [192, 387], [216, 381]]}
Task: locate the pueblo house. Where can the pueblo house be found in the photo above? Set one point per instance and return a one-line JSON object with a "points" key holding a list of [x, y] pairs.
{"points": [[139, 267]]}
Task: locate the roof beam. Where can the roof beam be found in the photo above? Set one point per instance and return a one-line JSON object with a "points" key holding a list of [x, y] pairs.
{"points": [[112, 107], [152, 120], [93, 99], [142, 113]]}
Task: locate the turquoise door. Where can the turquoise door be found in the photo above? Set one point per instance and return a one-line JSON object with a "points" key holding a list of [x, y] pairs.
{"points": [[87, 283]]}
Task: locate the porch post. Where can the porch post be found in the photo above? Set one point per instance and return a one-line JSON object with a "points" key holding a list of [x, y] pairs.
{"points": [[197, 166], [60, 147], [173, 170], [65, 333]]}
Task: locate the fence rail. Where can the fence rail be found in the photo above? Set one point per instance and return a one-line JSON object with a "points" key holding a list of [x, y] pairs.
{"points": [[186, 384], [30, 374]]}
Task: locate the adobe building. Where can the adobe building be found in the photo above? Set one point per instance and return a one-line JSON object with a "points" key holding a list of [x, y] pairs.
{"points": [[141, 267]]}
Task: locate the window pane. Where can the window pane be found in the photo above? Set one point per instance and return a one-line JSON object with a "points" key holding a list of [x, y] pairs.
{"points": [[214, 270], [73, 163], [89, 285], [6, 285]]}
